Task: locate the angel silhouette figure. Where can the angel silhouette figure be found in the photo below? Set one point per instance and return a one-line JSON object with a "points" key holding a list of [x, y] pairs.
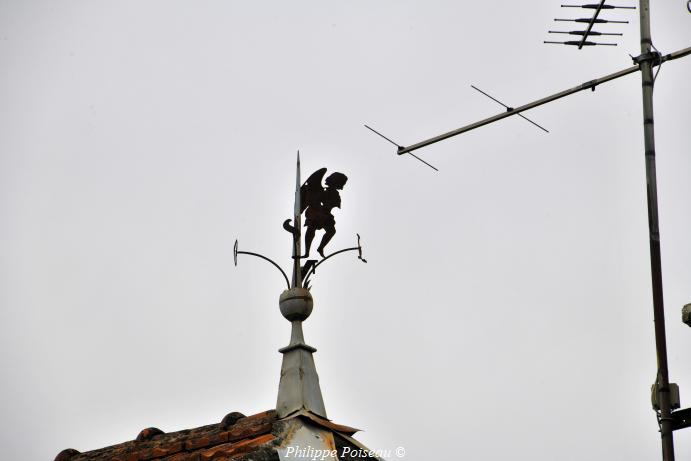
{"points": [[317, 202]]}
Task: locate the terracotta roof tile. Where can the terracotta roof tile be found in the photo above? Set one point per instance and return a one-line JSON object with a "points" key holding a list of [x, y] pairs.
{"points": [[236, 438], [235, 448], [240, 436], [148, 434]]}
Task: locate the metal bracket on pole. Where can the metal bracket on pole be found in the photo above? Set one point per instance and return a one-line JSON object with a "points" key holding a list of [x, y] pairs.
{"points": [[681, 419], [653, 56]]}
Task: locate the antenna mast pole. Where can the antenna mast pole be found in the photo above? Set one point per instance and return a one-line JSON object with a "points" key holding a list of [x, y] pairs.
{"points": [[662, 381]]}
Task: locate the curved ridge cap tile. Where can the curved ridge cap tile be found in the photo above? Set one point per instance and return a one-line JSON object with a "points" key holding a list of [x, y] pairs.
{"points": [[66, 454], [148, 434], [231, 418]]}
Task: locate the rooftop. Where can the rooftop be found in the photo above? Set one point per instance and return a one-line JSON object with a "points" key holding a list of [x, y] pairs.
{"points": [[259, 437]]}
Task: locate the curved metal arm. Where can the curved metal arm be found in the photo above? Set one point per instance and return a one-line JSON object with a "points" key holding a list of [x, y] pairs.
{"points": [[313, 269], [236, 252]]}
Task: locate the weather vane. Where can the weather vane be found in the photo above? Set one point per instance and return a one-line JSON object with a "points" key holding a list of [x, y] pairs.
{"points": [[298, 390], [316, 202]]}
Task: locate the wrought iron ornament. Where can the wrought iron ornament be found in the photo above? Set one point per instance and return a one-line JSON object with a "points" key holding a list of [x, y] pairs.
{"points": [[317, 203], [298, 389], [315, 199]]}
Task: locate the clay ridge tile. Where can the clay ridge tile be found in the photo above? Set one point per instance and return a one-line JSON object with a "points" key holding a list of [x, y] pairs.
{"points": [[185, 445]]}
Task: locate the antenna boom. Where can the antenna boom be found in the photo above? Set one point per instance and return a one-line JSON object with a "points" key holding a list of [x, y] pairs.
{"points": [[587, 85]]}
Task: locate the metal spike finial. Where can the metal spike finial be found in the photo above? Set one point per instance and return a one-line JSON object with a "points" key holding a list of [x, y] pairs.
{"points": [[297, 229]]}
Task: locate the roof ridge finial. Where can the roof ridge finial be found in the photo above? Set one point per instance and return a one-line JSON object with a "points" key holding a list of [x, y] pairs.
{"points": [[298, 390]]}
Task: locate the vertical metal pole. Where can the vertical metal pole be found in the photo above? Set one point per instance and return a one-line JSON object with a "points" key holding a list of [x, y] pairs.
{"points": [[297, 235], [665, 415]]}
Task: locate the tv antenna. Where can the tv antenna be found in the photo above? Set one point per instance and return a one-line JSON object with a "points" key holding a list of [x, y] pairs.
{"points": [[589, 32], [644, 63]]}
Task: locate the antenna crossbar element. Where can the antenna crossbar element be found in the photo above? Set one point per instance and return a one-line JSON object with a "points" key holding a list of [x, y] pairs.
{"points": [[582, 32], [596, 21], [400, 147], [594, 6], [509, 109], [585, 86], [579, 44]]}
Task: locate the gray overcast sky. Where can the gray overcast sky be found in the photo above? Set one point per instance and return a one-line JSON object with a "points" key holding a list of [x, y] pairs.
{"points": [[505, 312]]}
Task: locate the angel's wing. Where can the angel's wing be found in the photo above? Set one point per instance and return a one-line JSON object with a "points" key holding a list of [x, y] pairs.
{"points": [[311, 190]]}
